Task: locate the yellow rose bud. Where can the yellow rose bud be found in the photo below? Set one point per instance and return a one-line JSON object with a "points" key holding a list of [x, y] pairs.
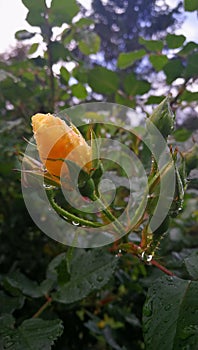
{"points": [[55, 140]]}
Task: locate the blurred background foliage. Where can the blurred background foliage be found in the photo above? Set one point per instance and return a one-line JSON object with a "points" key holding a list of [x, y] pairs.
{"points": [[120, 51]]}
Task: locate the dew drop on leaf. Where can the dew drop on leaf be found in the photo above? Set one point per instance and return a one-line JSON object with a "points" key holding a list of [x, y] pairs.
{"points": [[75, 223]]}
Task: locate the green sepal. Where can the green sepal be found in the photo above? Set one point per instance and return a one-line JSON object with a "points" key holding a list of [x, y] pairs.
{"points": [[74, 169], [88, 190], [178, 199], [95, 149], [96, 176]]}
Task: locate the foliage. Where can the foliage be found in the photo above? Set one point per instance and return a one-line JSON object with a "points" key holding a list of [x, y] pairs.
{"points": [[52, 297], [121, 23]]}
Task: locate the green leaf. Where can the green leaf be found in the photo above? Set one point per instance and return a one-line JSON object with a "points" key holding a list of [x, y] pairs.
{"points": [[189, 96], [152, 45], [154, 100], [90, 43], [191, 5], [79, 91], [63, 271], [192, 66], [174, 41], [90, 271], [188, 48], [38, 5], [158, 61], [33, 48], [37, 9], [80, 73], [35, 19], [16, 282], [65, 75], [191, 263], [32, 334], [135, 87], [169, 315], [83, 22], [125, 101], [182, 134], [58, 51], [8, 303], [24, 35], [103, 80], [62, 11], [173, 70], [126, 60]]}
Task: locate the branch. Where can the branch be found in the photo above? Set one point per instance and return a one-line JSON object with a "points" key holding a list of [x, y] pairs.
{"points": [[43, 307]]}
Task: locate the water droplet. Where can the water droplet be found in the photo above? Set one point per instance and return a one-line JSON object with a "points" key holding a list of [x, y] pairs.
{"points": [[146, 257], [148, 309], [50, 208], [167, 307], [99, 278], [75, 223], [48, 187], [119, 251]]}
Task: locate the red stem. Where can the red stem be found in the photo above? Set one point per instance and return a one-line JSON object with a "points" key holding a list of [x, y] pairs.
{"points": [[162, 268]]}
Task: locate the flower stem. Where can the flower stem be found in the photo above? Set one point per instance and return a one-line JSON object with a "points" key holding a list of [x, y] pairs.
{"points": [[43, 307], [68, 215], [114, 221]]}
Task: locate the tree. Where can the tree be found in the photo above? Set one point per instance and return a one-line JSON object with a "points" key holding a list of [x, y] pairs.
{"points": [[120, 23]]}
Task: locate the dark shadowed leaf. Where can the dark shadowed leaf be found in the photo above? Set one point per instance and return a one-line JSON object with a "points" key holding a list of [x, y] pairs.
{"points": [[191, 263], [9, 303], [32, 334], [170, 315], [16, 282], [23, 35], [89, 271]]}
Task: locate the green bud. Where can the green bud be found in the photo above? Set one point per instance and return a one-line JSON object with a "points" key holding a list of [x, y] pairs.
{"points": [[163, 118]]}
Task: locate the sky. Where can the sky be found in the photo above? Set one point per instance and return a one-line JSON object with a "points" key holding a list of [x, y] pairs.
{"points": [[13, 13]]}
